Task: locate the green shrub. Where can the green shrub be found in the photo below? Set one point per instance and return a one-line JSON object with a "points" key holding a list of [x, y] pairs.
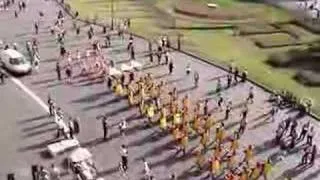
{"points": [[274, 40], [279, 59], [309, 78]]}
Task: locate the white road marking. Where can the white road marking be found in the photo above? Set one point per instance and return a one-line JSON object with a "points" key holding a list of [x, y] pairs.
{"points": [[29, 92]]}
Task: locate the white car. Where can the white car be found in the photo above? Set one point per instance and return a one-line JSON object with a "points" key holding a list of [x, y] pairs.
{"points": [[14, 62]]}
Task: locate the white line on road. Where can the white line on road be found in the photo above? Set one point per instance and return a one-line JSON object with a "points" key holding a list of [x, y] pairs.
{"points": [[30, 93]]}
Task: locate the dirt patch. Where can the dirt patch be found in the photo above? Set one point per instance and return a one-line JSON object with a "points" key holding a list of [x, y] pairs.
{"points": [[201, 10]]}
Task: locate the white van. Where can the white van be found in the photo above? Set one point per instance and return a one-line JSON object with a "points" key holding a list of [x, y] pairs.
{"points": [[14, 62]]}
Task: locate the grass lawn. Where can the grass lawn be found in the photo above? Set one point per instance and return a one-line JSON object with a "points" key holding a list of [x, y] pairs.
{"points": [[219, 45]]}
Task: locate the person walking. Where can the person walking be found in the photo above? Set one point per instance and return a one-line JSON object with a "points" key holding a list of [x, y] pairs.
{"points": [[124, 157], [69, 74], [105, 128], [171, 66], [55, 173], [2, 76], [76, 124], [147, 170], [250, 95], [71, 128], [123, 127], [51, 106], [58, 70], [310, 135], [304, 131], [196, 78], [313, 154], [228, 110]]}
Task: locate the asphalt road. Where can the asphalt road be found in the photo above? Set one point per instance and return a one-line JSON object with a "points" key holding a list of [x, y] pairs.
{"points": [[30, 130]]}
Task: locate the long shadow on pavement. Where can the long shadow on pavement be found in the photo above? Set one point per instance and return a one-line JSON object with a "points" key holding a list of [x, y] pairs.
{"points": [[37, 118], [91, 97], [27, 129]]}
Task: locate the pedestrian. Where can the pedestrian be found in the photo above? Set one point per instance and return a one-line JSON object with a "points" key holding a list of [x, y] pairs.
{"points": [[304, 131], [236, 74], [218, 88], [71, 128], [78, 30], [60, 128], [307, 150], [244, 76], [171, 66], [58, 70], [242, 128], [267, 167], [123, 127], [69, 73], [173, 176], [130, 42], [89, 33], [250, 95], [313, 154], [105, 128], [76, 124], [206, 107], [188, 69], [43, 174], [50, 104], [2, 76], [159, 53], [196, 78], [55, 173], [35, 172], [15, 14], [147, 170], [124, 157], [228, 110], [310, 135], [273, 113], [132, 52], [36, 27], [229, 80], [220, 101], [166, 56], [244, 112]]}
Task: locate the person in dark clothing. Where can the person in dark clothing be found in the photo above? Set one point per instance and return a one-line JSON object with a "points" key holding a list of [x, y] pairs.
{"points": [[50, 103], [76, 125], [78, 30], [105, 128], [35, 172], [304, 131], [236, 74], [124, 157], [229, 80], [170, 67], [244, 76], [206, 107], [132, 52], [131, 76], [313, 154], [2, 77], [89, 35], [220, 101], [36, 27], [159, 53], [58, 70], [104, 29], [227, 112], [76, 14], [62, 50], [15, 14]]}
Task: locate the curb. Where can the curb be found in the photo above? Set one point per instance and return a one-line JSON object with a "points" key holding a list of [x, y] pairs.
{"points": [[206, 60]]}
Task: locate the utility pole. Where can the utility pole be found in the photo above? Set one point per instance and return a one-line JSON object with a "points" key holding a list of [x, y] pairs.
{"points": [[112, 14]]}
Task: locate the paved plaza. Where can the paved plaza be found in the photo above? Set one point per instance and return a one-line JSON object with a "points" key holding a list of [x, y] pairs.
{"points": [[26, 129]]}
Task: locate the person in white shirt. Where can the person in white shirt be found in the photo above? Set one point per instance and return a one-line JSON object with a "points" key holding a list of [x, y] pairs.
{"points": [[147, 170], [123, 127]]}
